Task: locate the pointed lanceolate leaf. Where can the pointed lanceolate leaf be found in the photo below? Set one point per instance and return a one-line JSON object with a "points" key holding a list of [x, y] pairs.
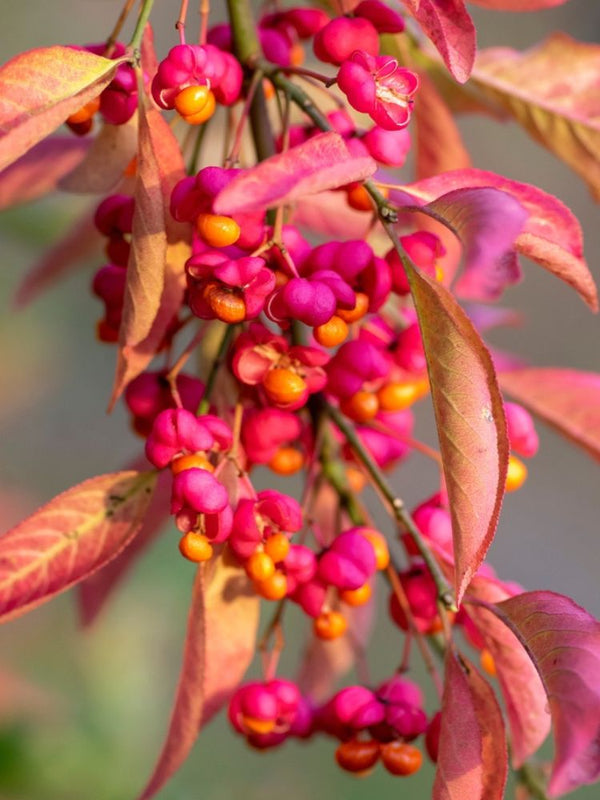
{"points": [[470, 422], [41, 88], [39, 170], [523, 691], [69, 538], [159, 250], [94, 592], [564, 642], [219, 645], [551, 235], [66, 254], [448, 24], [552, 91], [321, 163], [472, 759], [567, 399], [109, 155]]}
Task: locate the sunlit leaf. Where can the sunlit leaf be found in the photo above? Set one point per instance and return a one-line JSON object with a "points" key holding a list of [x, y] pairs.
{"points": [[41, 88], [69, 538], [564, 643], [38, 172], [323, 162], [110, 153], [523, 692], [470, 422], [552, 91], [567, 399], [472, 760], [219, 646], [159, 249], [449, 26]]}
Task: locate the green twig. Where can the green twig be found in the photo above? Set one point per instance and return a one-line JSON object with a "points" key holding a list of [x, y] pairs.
{"points": [[445, 594], [138, 33], [212, 375]]}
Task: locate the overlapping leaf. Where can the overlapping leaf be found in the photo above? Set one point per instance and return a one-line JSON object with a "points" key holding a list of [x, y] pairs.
{"points": [[551, 235], [323, 162], [219, 646], [523, 692], [39, 170], [472, 761], [567, 399], [159, 249], [69, 538], [470, 422], [564, 643], [552, 91], [41, 88], [110, 153], [448, 24]]}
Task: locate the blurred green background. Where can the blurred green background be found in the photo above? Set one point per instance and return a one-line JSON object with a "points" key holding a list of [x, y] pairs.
{"points": [[86, 717]]}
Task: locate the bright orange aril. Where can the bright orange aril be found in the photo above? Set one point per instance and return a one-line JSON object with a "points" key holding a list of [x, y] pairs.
{"points": [[330, 625], [361, 306], [283, 385], [260, 566], [277, 547], [379, 544], [195, 460], [516, 475], [361, 406], [287, 461], [398, 396], [217, 230], [356, 597], [195, 547], [192, 100], [331, 333], [273, 588]]}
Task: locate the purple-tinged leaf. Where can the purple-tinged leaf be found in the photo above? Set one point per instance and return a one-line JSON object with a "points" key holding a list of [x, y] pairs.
{"points": [[94, 592], [159, 249], [567, 399], [41, 88], [551, 235], [434, 124], [552, 91], [472, 759], [38, 172], [518, 5], [563, 641], [522, 689], [470, 422], [219, 645], [66, 254], [69, 538], [448, 24], [102, 169], [323, 162], [486, 318]]}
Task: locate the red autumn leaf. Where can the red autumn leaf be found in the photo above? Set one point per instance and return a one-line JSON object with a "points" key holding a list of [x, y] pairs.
{"points": [[329, 214], [110, 153], [567, 399], [159, 250], [41, 88], [552, 91], [321, 163], [448, 24], [219, 645], [434, 124], [94, 592], [472, 760], [470, 422], [69, 538], [564, 642], [518, 5], [39, 170], [551, 235], [520, 684], [67, 253]]}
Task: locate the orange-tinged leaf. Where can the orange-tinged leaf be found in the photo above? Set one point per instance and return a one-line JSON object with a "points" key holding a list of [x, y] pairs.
{"points": [[110, 153], [472, 761], [567, 399], [69, 538], [552, 91], [94, 592], [39, 171], [41, 88], [66, 254], [159, 249], [219, 645], [470, 422]]}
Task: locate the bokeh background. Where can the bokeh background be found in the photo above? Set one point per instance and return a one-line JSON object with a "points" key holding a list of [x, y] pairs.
{"points": [[82, 715]]}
